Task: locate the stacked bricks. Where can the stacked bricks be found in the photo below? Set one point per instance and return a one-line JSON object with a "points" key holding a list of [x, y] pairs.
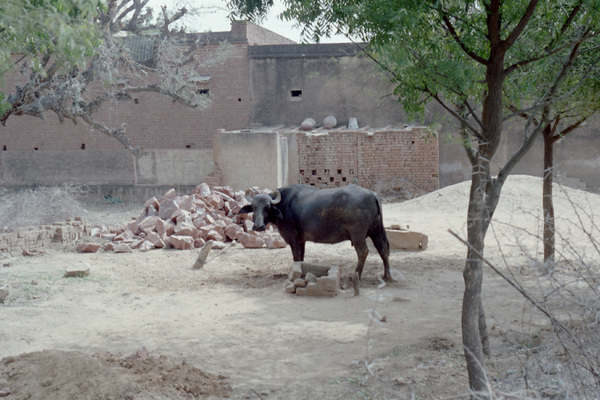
{"points": [[306, 279], [36, 238], [369, 158]]}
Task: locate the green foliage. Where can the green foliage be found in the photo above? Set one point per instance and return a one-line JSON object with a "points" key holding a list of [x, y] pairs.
{"points": [[60, 29], [441, 48]]}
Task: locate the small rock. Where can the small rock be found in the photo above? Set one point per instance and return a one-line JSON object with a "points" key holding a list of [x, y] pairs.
{"points": [[290, 287], [218, 245], [122, 248], [182, 242], [251, 241], [4, 392], [142, 354], [310, 277], [299, 282], [88, 247], [147, 246], [400, 381], [203, 190], [274, 240], [77, 274], [3, 296]]}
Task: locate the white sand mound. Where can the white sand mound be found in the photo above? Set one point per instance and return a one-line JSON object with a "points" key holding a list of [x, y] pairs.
{"points": [[517, 219]]}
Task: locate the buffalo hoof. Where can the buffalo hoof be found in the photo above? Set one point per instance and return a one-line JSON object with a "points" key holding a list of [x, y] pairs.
{"points": [[356, 283]]}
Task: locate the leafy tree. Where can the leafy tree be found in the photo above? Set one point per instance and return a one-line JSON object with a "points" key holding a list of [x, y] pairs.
{"points": [[473, 57], [80, 54], [574, 81], [39, 28]]}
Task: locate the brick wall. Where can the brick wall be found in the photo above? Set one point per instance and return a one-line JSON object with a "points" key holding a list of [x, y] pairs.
{"points": [[153, 121], [35, 238], [372, 159], [257, 35]]}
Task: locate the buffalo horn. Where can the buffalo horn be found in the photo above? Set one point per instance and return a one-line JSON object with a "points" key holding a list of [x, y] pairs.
{"points": [[249, 194], [277, 198]]}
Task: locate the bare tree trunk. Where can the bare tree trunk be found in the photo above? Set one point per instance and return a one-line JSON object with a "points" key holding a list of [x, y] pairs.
{"points": [[547, 202], [473, 316]]}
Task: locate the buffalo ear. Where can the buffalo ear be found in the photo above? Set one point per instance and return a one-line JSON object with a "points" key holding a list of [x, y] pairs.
{"points": [[246, 209], [276, 214]]}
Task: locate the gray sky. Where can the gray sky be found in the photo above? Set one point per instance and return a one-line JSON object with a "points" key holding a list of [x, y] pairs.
{"points": [[214, 17]]}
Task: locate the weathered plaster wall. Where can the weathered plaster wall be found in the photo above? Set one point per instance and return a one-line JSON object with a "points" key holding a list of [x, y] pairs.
{"points": [[333, 80]]}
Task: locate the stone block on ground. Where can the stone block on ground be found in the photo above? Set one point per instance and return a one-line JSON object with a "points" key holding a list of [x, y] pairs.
{"points": [[88, 247], [273, 240], [182, 242], [314, 279], [148, 224], [122, 248], [406, 240], [251, 241], [167, 208]]}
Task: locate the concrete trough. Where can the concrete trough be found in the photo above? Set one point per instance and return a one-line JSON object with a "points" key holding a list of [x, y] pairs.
{"points": [[403, 239]]}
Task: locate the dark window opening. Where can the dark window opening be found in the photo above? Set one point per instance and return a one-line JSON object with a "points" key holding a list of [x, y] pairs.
{"points": [[239, 99], [35, 148], [331, 179], [136, 101], [203, 92], [4, 148], [82, 146], [188, 146], [296, 93], [122, 96], [339, 171], [326, 172], [344, 179], [314, 171]]}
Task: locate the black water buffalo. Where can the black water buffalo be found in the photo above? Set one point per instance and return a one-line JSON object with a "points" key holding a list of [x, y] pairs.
{"points": [[305, 213]]}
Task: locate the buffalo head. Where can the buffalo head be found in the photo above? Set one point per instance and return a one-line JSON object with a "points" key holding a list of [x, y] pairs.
{"points": [[264, 208]]}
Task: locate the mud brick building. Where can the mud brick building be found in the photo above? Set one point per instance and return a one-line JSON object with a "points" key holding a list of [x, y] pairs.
{"points": [[249, 135]]}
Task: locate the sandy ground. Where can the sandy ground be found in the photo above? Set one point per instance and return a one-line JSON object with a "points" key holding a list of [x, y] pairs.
{"points": [[230, 329]]}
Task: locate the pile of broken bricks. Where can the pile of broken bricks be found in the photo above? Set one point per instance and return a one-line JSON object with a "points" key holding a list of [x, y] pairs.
{"points": [[187, 222]]}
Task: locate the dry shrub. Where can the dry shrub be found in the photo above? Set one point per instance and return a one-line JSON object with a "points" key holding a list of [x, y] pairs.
{"points": [[563, 362], [40, 206]]}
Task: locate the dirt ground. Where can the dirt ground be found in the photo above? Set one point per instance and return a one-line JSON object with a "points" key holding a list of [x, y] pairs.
{"points": [[230, 329]]}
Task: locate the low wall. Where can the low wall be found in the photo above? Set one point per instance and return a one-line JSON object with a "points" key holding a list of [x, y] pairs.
{"points": [[37, 238], [246, 159], [116, 175], [76, 167], [375, 159], [269, 158]]}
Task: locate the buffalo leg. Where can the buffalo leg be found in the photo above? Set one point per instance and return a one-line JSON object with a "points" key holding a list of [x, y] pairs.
{"points": [[361, 251], [383, 248], [297, 250]]}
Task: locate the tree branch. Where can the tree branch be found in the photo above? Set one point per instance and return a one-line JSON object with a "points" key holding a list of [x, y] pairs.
{"points": [[457, 39], [514, 35]]}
